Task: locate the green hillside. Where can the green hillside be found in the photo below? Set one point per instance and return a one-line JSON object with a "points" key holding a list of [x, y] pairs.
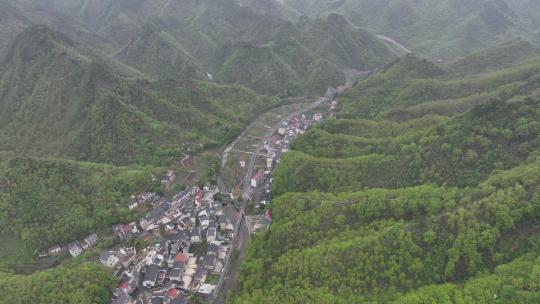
{"points": [[411, 88], [441, 29], [88, 283], [172, 39], [89, 111], [302, 59], [12, 22], [502, 56], [437, 207], [374, 245], [47, 202], [158, 55], [395, 136]]}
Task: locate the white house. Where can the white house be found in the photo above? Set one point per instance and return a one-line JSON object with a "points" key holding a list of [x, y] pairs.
{"points": [[75, 249]]}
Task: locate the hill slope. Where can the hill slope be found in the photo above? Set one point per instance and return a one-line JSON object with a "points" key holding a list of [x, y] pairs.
{"points": [[89, 111], [502, 56], [424, 208], [164, 39], [441, 29]]}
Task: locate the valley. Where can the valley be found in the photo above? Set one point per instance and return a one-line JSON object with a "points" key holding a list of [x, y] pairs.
{"points": [[264, 151]]}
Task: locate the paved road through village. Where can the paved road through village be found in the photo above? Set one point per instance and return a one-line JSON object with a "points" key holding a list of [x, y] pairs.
{"points": [[241, 235]]}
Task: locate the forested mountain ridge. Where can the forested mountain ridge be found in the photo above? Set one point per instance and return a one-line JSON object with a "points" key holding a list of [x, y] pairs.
{"points": [[81, 133], [90, 111], [48, 201], [199, 37], [375, 245], [442, 29], [501, 56], [303, 58], [423, 190]]}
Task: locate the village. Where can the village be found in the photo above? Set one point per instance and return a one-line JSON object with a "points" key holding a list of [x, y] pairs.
{"points": [[190, 238]]}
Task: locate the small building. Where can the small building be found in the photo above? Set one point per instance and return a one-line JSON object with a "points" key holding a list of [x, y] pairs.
{"points": [[156, 301], [151, 276], [211, 234], [213, 249], [229, 218], [128, 251], [257, 178], [201, 274], [218, 267], [210, 261], [204, 220], [133, 205], [206, 289], [75, 248], [173, 293], [123, 231], [268, 214], [175, 275], [122, 299], [109, 259], [269, 162], [91, 240], [180, 300], [196, 235], [55, 250], [198, 197]]}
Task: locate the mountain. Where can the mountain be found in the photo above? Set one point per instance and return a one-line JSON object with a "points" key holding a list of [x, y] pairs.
{"points": [[167, 40], [296, 54], [155, 53], [12, 21], [442, 29], [84, 283], [376, 245], [269, 7], [505, 55], [528, 12], [52, 201], [424, 189], [411, 87], [95, 111]]}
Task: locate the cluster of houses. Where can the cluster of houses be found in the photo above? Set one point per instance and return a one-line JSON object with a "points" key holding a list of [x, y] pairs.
{"points": [[74, 248], [189, 240], [279, 143]]}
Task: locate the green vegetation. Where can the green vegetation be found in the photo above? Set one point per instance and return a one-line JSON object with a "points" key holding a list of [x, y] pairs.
{"points": [[439, 29], [411, 87], [77, 284], [462, 151], [305, 58], [49, 202], [91, 112], [269, 51], [491, 59], [437, 207], [375, 245], [424, 189]]}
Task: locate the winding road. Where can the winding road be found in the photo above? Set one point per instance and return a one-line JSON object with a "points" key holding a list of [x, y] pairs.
{"points": [[396, 44]]}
